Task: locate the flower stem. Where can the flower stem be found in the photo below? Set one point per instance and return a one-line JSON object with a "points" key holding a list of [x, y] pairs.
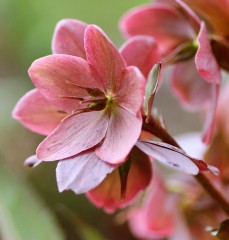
{"points": [[156, 129]]}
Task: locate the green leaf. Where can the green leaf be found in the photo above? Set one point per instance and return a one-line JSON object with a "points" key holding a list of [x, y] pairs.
{"points": [[22, 215], [151, 87]]}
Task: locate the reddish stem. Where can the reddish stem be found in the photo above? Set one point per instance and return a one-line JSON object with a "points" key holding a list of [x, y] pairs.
{"points": [[156, 129]]}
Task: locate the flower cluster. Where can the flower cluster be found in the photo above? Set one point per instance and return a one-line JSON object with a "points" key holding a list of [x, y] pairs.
{"points": [[94, 104]]}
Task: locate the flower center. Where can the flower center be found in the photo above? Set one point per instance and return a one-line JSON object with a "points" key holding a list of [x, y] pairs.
{"points": [[96, 100], [109, 100]]}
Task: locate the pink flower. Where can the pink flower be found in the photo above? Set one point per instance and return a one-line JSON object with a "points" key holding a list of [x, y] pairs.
{"points": [[181, 35], [101, 98], [88, 102], [154, 217]]}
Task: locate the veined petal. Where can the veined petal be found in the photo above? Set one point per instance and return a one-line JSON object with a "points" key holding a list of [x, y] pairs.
{"points": [[206, 63], [104, 59], [74, 135], [131, 91], [56, 77], [142, 52], [123, 132], [175, 157], [68, 38], [82, 172], [37, 114], [163, 22], [169, 155], [108, 194], [189, 87]]}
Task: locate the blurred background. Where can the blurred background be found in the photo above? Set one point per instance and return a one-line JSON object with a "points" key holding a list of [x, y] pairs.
{"points": [[30, 205]]}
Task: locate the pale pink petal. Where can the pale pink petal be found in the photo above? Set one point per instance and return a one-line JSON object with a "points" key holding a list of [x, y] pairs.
{"points": [[68, 38], [142, 52], [74, 135], [82, 172], [108, 194], [37, 113], [175, 157], [206, 63], [123, 132], [190, 88], [131, 90], [165, 23], [105, 60], [32, 161], [169, 155], [154, 219], [56, 77], [192, 144], [210, 115]]}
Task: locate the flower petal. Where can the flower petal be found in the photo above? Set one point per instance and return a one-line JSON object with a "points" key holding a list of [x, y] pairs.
{"points": [[192, 144], [154, 218], [175, 157], [205, 61], [123, 132], [37, 114], [68, 38], [132, 89], [163, 22], [74, 135], [32, 161], [210, 114], [56, 77], [169, 155], [142, 52], [189, 87], [104, 59], [190, 14], [108, 194], [82, 172]]}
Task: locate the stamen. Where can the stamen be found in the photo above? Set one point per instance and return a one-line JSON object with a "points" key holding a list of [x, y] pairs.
{"points": [[75, 84], [72, 97], [94, 92], [95, 100]]}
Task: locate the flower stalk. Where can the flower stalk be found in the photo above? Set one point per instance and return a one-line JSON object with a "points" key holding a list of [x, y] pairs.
{"points": [[156, 129]]}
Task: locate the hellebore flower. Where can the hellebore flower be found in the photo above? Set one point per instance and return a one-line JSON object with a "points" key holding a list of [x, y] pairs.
{"points": [[102, 98], [88, 102], [181, 35]]}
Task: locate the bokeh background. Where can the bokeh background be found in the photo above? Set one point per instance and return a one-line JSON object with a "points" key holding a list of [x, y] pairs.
{"points": [[30, 205]]}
